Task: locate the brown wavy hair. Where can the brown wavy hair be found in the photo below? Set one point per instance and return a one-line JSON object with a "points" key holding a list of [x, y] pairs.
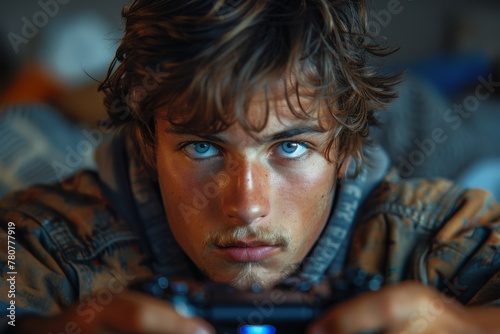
{"points": [[198, 63]]}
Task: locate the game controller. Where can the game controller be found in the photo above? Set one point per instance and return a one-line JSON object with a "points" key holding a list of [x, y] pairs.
{"points": [[287, 308]]}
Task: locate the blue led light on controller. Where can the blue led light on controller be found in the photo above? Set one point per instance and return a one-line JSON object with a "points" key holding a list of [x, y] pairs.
{"points": [[262, 329]]}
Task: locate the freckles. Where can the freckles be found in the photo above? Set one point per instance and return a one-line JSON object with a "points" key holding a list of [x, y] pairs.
{"points": [[316, 187], [313, 187]]}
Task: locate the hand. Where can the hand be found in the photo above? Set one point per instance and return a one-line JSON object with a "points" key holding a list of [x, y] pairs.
{"points": [[405, 308], [127, 312]]}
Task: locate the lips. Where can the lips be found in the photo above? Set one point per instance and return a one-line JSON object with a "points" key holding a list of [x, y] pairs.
{"points": [[248, 251], [249, 243]]}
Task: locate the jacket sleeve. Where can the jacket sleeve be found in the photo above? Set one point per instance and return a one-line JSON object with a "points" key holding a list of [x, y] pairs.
{"points": [[435, 233], [33, 280], [69, 244]]}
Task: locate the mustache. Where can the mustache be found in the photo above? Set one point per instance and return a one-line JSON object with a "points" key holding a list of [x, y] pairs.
{"points": [[229, 236]]}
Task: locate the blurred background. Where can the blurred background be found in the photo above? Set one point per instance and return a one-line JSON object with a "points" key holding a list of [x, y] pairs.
{"points": [[445, 124]]}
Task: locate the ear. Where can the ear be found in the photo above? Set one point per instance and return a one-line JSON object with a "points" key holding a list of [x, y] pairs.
{"points": [[342, 170]]}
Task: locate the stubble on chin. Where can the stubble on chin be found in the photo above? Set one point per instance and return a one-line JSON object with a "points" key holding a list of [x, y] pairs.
{"points": [[254, 273], [250, 274]]}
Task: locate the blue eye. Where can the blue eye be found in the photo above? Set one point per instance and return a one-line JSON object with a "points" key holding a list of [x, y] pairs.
{"points": [[291, 149], [200, 150]]}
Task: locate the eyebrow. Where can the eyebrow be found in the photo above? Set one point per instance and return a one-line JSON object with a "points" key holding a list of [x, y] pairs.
{"points": [[306, 129], [289, 133]]}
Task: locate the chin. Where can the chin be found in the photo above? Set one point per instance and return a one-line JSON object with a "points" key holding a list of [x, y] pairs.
{"points": [[250, 274]]}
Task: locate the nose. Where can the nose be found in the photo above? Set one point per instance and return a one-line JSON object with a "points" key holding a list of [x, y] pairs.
{"points": [[246, 198]]}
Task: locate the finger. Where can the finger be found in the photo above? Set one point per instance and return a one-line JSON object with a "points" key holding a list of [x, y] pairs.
{"points": [[140, 313], [381, 310]]}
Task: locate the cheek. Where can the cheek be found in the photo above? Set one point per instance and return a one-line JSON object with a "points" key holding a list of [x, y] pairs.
{"points": [[183, 207], [307, 200], [179, 182], [309, 190]]}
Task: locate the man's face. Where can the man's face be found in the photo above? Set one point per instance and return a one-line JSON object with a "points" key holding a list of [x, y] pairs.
{"points": [[247, 208]]}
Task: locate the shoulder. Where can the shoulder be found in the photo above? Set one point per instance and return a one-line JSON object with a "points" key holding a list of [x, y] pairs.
{"points": [[83, 184], [424, 202], [432, 231], [432, 207], [69, 241], [436, 208], [75, 209]]}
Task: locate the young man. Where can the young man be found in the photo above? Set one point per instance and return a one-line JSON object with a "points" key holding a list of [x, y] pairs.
{"points": [[242, 122]]}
